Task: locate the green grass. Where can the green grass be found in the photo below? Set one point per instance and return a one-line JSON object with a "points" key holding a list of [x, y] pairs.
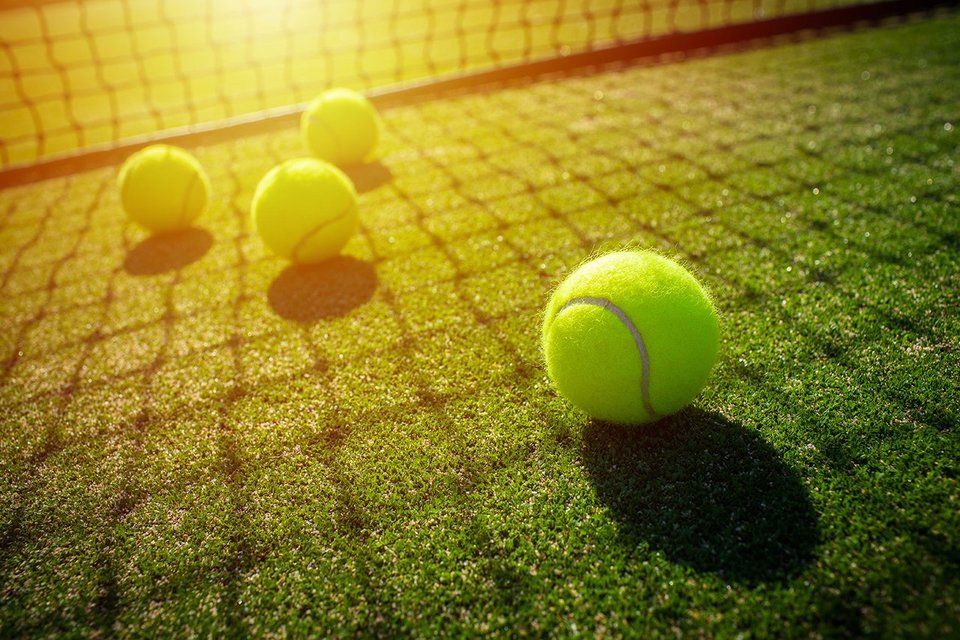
{"points": [[197, 440]]}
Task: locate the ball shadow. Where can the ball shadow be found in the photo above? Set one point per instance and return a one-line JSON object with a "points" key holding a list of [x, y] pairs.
{"points": [[167, 252], [369, 176], [707, 493], [333, 288]]}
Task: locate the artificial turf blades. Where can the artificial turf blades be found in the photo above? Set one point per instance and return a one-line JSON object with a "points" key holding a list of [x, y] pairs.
{"points": [[197, 440]]}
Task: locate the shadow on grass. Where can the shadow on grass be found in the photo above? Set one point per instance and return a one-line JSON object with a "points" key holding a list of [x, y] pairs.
{"points": [[330, 289], [167, 252], [707, 493], [367, 177]]}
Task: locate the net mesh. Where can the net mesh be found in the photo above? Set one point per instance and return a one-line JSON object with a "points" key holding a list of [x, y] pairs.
{"points": [[82, 73]]}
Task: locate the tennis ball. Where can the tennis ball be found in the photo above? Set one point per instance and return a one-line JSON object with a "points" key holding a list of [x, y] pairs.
{"points": [[630, 337], [340, 126], [163, 188], [305, 210]]}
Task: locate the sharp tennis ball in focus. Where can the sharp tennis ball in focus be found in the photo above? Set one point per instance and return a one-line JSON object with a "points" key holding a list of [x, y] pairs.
{"points": [[305, 210], [163, 188], [341, 126], [630, 337]]}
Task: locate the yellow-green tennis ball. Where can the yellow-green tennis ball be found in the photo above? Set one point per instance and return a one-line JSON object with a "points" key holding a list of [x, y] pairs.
{"points": [[163, 188], [305, 210], [340, 126], [630, 337]]}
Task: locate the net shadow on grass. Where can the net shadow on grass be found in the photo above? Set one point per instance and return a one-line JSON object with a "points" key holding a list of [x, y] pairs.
{"points": [[707, 493], [333, 288], [167, 252]]}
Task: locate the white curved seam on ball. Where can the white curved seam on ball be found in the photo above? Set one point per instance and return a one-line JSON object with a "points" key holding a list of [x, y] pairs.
{"points": [[621, 315], [313, 232]]}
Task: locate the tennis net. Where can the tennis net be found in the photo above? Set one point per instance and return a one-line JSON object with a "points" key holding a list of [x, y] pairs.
{"points": [[86, 74]]}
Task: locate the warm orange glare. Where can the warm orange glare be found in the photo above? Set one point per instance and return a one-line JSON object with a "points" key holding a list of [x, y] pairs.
{"points": [[86, 72]]}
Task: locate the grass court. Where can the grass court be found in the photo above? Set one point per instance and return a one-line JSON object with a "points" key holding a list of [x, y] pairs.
{"points": [[199, 440]]}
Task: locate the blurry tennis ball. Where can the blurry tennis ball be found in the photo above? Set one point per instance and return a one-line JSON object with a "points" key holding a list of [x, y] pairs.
{"points": [[340, 126], [630, 337], [163, 188], [305, 210]]}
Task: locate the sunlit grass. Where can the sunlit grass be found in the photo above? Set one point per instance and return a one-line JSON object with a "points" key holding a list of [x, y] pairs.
{"points": [[198, 440]]}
